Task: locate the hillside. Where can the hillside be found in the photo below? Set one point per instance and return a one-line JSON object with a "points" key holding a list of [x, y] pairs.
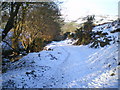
{"points": [[99, 19], [64, 65]]}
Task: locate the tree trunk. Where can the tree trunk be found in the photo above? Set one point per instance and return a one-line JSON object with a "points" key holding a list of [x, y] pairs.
{"points": [[10, 23]]}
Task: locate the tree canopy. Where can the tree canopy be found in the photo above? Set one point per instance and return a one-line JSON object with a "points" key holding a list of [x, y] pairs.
{"points": [[32, 23]]}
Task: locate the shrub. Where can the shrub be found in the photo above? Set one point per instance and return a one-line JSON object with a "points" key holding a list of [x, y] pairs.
{"points": [[96, 39], [100, 39]]}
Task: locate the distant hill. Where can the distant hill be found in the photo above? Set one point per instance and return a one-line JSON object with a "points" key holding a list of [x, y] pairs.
{"points": [[99, 19]]}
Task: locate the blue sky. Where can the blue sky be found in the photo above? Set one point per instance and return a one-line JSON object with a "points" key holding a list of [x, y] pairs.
{"points": [[73, 9]]}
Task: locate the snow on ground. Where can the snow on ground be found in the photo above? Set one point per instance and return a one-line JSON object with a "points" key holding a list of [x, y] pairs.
{"points": [[5, 46], [107, 28], [64, 65]]}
